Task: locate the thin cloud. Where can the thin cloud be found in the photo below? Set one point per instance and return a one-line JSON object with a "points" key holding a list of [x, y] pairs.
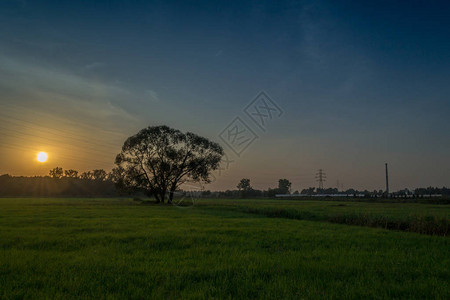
{"points": [[153, 96], [94, 65], [47, 89]]}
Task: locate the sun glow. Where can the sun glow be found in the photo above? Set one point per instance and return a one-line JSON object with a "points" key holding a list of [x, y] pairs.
{"points": [[42, 157]]}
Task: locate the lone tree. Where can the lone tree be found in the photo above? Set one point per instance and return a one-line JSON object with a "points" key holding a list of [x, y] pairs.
{"points": [[244, 187], [158, 159], [284, 186]]}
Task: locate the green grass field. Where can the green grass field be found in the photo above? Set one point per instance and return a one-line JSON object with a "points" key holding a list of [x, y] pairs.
{"points": [[119, 248]]}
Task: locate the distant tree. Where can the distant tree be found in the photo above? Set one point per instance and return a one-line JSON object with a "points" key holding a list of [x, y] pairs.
{"points": [[272, 192], [329, 191], [56, 172], [284, 186], [158, 159], [296, 193], [255, 193], [308, 191], [99, 174], [351, 191], [206, 193], [71, 173], [86, 175], [244, 185]]}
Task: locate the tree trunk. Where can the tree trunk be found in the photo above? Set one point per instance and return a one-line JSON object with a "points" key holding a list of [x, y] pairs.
{"points": [[172, 191], [171, 196], [163, 196]]}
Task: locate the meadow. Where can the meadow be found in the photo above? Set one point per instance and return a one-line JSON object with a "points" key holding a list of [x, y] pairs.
{"points": [[239, 249]]}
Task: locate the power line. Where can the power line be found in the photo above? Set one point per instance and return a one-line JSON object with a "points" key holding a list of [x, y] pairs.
{"points": [[387, 180]]}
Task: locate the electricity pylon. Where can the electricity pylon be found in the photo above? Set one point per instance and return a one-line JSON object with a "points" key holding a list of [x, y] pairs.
{"points": [[321, 177]]}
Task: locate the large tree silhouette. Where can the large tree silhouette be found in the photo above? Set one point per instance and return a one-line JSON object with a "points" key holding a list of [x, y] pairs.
{"points": [[158, 159]]}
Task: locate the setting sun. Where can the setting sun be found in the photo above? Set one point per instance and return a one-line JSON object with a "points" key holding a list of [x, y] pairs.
{"points": [[42, 157]]}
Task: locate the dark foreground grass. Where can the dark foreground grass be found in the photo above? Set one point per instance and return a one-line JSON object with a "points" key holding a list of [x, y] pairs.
{"points": [[116, 249]]}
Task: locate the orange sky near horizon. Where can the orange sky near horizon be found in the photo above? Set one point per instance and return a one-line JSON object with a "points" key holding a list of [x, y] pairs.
{"points": [[69, 143]]}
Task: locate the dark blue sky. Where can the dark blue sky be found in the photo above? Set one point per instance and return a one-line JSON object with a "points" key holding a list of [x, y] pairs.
{"points": [[360, 84]]}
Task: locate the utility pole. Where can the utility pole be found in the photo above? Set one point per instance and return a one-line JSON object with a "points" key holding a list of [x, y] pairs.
{"points": [[387, 181], [321, 177]]}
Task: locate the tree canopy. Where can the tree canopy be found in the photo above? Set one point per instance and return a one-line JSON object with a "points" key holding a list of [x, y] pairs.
{"points": [[56, 172], [284, 186], [159, 159], [244, 185]]}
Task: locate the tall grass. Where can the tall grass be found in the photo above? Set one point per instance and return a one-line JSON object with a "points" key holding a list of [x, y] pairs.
{"points": [[421, 224], [431, 225]]}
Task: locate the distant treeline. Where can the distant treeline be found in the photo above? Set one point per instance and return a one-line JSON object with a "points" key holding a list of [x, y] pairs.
{"points": [[99, 183], [255, 193], [96, 183], [245, 190], [405, 192]]}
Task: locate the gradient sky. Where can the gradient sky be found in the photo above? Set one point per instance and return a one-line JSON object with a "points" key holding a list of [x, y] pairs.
{"points": [[360, 84]]}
